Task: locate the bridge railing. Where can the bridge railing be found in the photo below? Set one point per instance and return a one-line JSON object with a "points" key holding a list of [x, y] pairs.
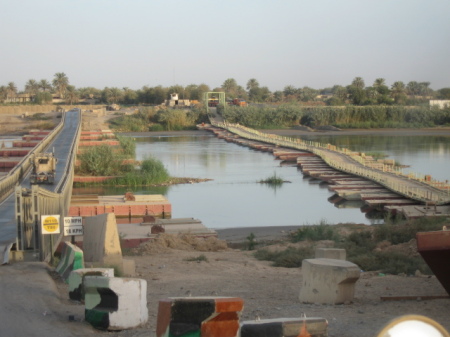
{"points": [[39, 201], [436, 192], [8, 182]]}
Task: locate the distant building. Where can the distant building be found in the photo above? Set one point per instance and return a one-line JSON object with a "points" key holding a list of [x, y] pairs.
{"points": [[175, 102], [441, 103]]}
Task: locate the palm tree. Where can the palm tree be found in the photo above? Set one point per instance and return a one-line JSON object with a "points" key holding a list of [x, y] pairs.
{"points": [[3, 93], [113, 95], [398, 91], [379, 82], [11, 90], [340, 92], [358, 83], [230, 86], [425, 90], [289, 90], [278, 96], [45, 85], [413, 88], [71, 95], [32, 87], [252, 84], [60, 83]]}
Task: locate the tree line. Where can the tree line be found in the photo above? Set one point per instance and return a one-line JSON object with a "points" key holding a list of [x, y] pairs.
{"points": [[356, 93]]}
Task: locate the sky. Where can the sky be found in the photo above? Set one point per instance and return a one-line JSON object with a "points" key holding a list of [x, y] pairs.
{"points": [[136, 43]]}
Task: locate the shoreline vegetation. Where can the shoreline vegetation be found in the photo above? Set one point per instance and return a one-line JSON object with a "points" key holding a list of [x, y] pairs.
{"points": [[388, 248], [286, 116], [119, 163]]}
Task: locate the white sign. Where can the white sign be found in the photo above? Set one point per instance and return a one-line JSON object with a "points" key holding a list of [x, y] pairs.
{"points": [[50, 224], [73, 225]]}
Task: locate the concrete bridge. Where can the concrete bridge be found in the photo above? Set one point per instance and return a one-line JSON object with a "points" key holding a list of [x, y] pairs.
{"points": [[23, 203]]}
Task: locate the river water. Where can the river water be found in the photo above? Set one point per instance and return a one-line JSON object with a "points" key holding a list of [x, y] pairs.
{"points": [[235, 198]]}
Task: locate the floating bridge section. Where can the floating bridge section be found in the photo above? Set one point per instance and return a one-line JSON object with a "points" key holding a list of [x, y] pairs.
{"points": [[422, 189], [23, 204]]}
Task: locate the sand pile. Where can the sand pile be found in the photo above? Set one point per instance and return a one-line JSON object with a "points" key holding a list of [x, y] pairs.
{"points": [[165, 242]]}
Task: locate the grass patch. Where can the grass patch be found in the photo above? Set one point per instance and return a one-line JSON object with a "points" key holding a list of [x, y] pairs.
{"points": [[39, 116], [362, 245], [391, 263], [322, 231], [272, 180], [200, 258], [399, 231], [289, 258]]}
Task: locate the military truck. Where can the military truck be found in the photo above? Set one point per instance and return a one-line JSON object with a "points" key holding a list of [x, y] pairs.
{"points": [[44, 168]]}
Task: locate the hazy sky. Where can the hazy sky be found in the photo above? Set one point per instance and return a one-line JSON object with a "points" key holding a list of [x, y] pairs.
{"points": [[316, 43]]}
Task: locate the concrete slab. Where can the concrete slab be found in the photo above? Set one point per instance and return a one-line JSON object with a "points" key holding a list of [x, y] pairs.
{"points": [[331, 253], [328, 281]]}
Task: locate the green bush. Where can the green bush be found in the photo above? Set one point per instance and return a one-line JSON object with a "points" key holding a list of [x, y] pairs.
{"points": [[288, 258], [128, 146], [156, 127], [391, 263], [132, 123], [200, 258], [403, 232], [251, 242], [99, 161], [315, 233]]}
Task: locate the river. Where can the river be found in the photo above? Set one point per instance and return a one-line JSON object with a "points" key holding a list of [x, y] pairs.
{"points": [[235, 198]]}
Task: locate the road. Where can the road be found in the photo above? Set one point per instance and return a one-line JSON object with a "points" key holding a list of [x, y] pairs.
{"points": [[61, 144], [30, 303]]}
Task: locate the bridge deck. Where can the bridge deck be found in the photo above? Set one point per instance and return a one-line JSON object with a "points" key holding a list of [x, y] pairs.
{"points": [[422, 190]]}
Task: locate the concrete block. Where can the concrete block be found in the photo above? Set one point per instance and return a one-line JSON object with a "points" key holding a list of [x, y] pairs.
{"points": [[199, 316], [128, 268], [115, 303], [331, 253], [285, 327], [101, 243], [76, 280], [71, 259], [328, 281]]}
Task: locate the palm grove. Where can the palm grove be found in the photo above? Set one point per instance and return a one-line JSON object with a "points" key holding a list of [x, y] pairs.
{"points": [[353, 105]]}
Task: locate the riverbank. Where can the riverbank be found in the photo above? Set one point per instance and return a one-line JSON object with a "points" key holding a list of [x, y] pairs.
{"points": [[295, 132]]}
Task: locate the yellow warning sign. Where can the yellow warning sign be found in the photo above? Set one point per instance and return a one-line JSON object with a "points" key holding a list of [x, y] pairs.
{"points": [[50, 224]]}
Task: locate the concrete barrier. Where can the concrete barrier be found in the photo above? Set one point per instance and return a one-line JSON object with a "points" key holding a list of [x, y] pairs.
{"points": [[285, 327], [115, 303], [76, 280], [71, 259], [328, 281], [330, 253], [199, 316], [101, 244]]}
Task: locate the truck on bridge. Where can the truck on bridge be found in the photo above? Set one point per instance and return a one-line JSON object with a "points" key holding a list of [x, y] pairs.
{"points": [[44, 168]]}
